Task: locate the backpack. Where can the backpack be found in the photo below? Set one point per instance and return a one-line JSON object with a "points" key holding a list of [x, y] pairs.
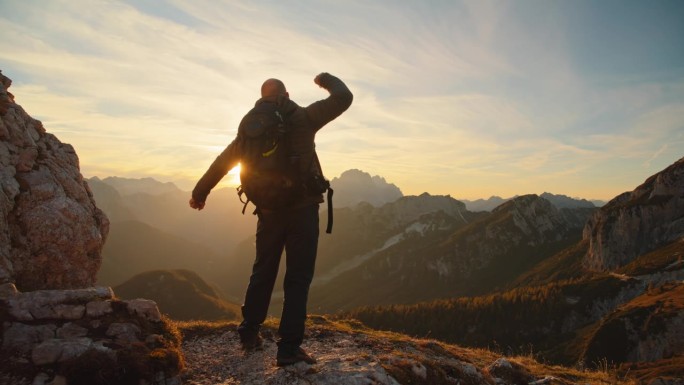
{"points": [[271, 175]]}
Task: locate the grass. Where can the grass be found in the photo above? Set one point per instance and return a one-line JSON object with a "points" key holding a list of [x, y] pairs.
{"points": [[668, 368]]}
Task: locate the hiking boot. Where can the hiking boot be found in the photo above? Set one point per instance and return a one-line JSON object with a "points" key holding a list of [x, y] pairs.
{"points": [[251, 342], [290, 359]]}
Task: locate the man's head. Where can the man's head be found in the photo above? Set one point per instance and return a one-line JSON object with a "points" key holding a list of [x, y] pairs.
{"points": [[273, 87]]}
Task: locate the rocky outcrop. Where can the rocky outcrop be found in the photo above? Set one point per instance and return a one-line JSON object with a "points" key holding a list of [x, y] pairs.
{"points": [[85, 336], [349, 354], [637, 222], [56, 328], [51, 232]]}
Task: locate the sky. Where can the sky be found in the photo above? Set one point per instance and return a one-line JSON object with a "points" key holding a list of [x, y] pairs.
{"points": [[465, 98]]}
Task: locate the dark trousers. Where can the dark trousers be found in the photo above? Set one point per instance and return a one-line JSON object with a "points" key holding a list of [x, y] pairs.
{"points": [[295, 231]]}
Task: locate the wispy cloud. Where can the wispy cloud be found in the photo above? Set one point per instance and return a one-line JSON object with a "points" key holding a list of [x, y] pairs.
{"points": [[469, 98]]}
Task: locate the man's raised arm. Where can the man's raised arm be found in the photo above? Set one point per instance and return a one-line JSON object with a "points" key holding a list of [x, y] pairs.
{"points": [[323, 111]]}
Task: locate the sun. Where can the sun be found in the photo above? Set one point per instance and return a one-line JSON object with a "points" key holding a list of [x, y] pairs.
{"points": [[234, 176]]}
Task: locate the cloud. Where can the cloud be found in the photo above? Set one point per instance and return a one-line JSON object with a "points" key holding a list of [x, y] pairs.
{"points": [[447, 96]]}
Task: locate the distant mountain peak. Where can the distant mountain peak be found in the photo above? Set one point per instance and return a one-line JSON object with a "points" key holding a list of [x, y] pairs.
{"points": [[484, 204], [523, 201], [355, 186], [564, 201]]}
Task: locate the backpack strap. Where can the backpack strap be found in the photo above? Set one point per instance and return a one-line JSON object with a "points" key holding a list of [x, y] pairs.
{"points": [[328, 229], [329, 196], [240, 192]]}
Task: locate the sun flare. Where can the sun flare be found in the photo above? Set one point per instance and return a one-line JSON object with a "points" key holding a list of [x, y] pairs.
{"points": [[234, 176]]}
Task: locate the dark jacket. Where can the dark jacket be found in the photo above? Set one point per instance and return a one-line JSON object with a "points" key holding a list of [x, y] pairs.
{"points": [[304, 122]]}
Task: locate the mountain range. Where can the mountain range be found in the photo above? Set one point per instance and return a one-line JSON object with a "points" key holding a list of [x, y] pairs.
{"points": [[547, 271], [152, 228], [442, 254]]}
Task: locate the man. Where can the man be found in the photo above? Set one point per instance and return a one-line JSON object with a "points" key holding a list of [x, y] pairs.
{"points": [[293, 228]]}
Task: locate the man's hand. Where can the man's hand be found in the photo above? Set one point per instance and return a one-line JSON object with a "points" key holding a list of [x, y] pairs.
{"points": [[196, 205], [317, 79]]}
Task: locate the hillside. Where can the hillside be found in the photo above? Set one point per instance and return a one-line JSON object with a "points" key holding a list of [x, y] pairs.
{"points": [[443, 257], [180, 294], [648, 328], [564, 323], [664, 262], [134, 247], [350, 354], [543, 317], [615, 296]]}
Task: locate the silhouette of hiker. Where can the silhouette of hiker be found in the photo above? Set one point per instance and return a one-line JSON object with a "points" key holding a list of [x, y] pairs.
{"points": [[294, 228]]}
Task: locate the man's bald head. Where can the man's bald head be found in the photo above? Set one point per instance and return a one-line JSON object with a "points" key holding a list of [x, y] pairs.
{"points": [[273, 87]]}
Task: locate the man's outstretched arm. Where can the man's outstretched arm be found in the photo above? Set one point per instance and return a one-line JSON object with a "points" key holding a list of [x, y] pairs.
{"points": [[223, 163]]}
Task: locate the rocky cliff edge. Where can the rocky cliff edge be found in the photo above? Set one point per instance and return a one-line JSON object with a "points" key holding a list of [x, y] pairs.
{"points": [[637, 222], [51, 232]]}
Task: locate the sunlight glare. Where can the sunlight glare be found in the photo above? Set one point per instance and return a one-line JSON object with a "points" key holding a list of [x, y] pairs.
{"points": [[234, 176]]}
